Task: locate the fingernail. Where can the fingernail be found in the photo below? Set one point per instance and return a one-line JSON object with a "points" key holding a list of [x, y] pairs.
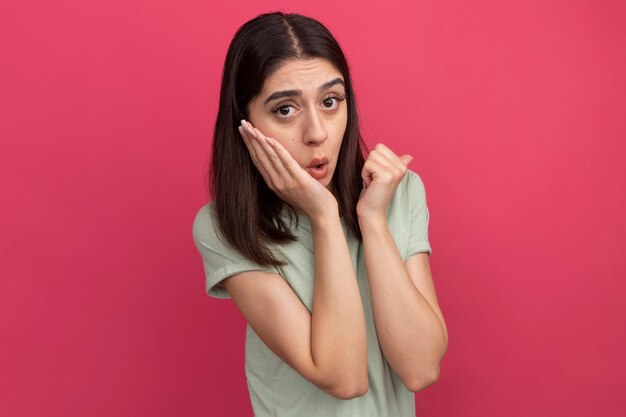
{"points": [[270, 141], [252, 132]]}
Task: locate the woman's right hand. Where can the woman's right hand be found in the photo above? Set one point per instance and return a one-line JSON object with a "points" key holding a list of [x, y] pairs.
{"points": [[285, 176]]}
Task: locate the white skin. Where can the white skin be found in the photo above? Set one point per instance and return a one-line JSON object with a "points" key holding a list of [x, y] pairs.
{"points": [[328, 344], [287, 133]]}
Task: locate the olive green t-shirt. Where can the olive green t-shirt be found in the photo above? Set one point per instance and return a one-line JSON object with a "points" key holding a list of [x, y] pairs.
{"points": [[275, 388]]}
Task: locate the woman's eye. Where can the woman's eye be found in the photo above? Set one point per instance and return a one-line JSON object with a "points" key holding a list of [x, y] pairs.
{"points": [[283, 111], [332, 102], [328, 102]]}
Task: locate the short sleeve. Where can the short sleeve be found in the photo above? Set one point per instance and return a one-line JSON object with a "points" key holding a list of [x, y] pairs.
{"points": [[220, 260], [418, 233]]}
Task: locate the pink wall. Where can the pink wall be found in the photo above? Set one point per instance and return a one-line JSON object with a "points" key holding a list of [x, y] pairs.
{"points": [[515, 113]]}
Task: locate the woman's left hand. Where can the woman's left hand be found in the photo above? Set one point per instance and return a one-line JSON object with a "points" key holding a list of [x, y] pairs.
{"points": [[382, 172]]}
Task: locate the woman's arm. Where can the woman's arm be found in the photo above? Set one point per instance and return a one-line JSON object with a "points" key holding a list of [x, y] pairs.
{"points": [[328, 347], [412, 335], [339, 341]]}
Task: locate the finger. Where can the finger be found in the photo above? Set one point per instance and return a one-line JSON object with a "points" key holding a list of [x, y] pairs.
{"points": [[371, 168], [388, 169], [252, 137], [384, 150], [381, 158], [248, 142], [265, 163], [288, 162], [270, 147], [391, 156], [406, 159], [254, 149], [279, 173], [381, 169], [396, 165]]}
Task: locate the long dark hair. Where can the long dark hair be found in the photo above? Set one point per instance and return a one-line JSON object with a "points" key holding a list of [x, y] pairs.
{"points": [[247, 210]]}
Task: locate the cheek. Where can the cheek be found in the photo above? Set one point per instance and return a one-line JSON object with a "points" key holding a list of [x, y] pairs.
{"points": [[338, 137], [289, 144], [283, 134], [284, 139], [339, 127]]}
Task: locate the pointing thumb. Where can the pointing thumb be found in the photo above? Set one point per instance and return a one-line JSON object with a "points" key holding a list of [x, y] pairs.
{"points": [[406, 159]]}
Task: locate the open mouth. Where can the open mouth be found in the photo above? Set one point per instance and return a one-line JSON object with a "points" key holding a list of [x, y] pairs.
{"points": [[318, 171]]}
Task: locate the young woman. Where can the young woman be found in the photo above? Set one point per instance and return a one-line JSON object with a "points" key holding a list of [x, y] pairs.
{"points": [[324, 250]]}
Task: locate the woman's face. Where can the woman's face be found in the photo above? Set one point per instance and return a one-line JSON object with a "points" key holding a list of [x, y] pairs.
{"points": [[302, 106]]}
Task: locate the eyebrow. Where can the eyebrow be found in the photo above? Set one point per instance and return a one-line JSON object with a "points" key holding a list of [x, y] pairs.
{"points": [[298, 93]]}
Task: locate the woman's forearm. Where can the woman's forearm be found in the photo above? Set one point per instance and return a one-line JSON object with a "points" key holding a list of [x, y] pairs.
{"points": [[338, 335], [410, 332]]}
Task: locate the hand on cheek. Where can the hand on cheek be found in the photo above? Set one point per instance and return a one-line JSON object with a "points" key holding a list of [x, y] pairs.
{"points": [[284, 175]]}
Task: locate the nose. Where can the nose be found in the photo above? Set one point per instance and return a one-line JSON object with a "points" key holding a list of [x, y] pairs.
{"points": [[314, 130]]}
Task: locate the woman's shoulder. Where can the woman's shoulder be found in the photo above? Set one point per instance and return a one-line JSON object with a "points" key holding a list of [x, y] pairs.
{"points": [[205, 211], [412, 177], [204, 222], [411, 184], [409, 192], [210, 240]]}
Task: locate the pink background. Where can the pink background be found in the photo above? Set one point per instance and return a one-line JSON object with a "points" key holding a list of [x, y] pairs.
{"points": [[515, 112]]}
